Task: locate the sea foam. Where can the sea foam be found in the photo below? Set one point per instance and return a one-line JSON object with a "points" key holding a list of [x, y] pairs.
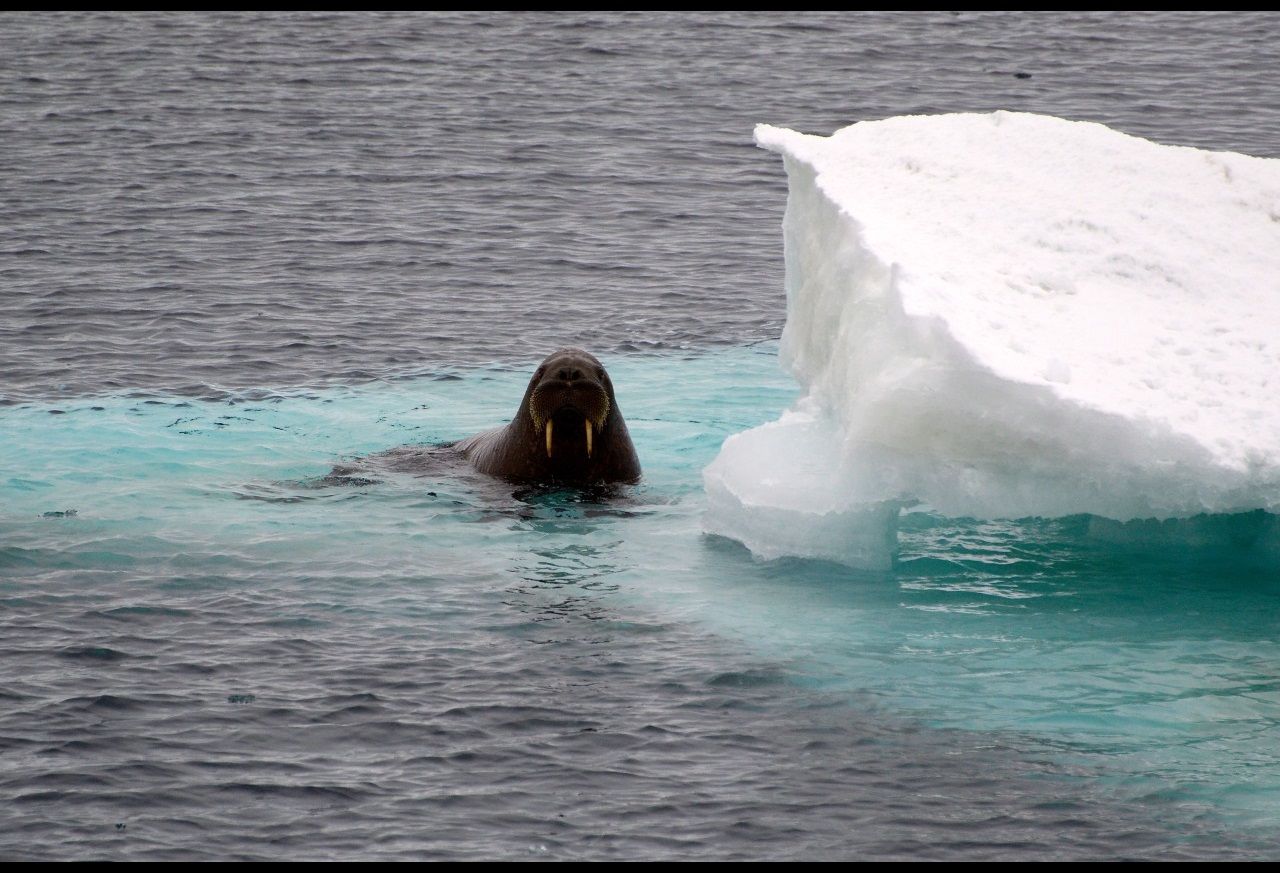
{"points": [[1008, 315]]}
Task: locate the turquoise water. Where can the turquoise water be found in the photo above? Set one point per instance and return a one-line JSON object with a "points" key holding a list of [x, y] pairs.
{"points": [[1156, 675]]}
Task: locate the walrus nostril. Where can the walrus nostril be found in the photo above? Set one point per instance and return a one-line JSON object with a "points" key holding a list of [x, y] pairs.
{"points": [[569, 374]]}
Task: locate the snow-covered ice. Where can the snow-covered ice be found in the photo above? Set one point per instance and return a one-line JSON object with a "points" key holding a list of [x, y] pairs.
{"points": [[1011, 315]]}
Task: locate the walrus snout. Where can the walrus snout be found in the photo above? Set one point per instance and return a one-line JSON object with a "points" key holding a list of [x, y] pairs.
{"points": [[569, 387], [568, 407]]}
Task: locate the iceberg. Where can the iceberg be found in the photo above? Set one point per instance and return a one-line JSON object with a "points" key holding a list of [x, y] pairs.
{"points": [[1010, 315]]}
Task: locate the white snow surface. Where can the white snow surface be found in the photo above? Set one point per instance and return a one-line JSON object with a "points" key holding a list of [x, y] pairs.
{"points": [[1012, 315]]}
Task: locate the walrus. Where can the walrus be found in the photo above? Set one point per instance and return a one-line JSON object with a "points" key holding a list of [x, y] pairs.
{"points": [[567, 431]]}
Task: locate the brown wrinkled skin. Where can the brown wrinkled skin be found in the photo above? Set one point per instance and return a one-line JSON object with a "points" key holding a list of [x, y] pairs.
{"points": [[570, 391]]}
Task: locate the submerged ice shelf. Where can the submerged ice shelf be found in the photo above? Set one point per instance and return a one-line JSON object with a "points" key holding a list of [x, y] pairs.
{"points": [[1011, 315]]}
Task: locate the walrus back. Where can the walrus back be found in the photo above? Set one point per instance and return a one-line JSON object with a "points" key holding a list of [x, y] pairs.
{"points": [[482, 450]]}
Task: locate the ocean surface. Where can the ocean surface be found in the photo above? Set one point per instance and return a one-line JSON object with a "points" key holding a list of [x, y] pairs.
{"points": [[238, 249]]}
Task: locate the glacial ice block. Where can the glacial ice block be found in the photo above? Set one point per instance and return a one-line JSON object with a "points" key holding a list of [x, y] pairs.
{"points": [[1012, 315]]}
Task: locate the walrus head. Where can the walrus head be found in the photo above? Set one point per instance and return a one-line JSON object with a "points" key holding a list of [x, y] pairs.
{"points": [[573, 391], [568, 429]]}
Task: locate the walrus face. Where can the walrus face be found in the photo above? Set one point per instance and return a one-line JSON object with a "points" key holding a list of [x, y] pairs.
{"points": [[569, 401]]}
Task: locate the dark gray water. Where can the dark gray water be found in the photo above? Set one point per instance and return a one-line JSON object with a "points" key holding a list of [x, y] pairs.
{"points": [[263, 199], [257, 220]]}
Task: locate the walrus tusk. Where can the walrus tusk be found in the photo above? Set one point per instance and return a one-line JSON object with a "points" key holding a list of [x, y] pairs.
{"points": [[590, 436]]}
